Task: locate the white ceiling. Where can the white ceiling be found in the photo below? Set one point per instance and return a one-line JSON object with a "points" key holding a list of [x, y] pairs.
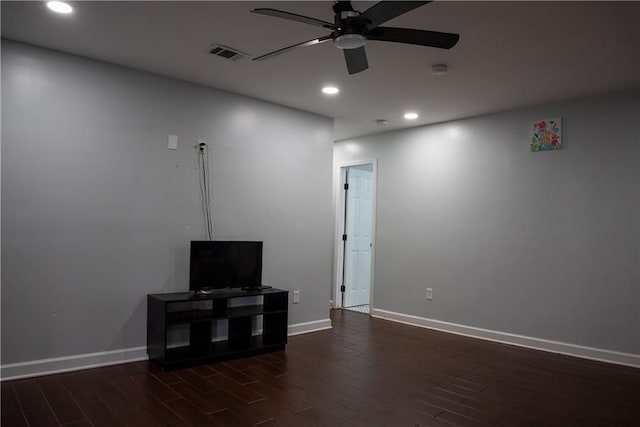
{"points": [[510, 54]]}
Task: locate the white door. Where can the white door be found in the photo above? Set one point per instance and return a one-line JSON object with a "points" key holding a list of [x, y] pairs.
{"points": [[358, 228]]}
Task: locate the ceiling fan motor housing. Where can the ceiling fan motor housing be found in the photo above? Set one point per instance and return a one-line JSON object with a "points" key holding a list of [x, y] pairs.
{"points": [[349, 33]]}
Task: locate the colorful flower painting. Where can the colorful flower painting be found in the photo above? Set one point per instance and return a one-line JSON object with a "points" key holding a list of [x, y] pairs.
{"points": [[546, 135]]}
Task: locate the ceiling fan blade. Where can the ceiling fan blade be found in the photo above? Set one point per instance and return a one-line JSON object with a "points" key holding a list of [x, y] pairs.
{"points": [[356, 60], [295, 17], [383, 11], [295, 46], [419, 37]]}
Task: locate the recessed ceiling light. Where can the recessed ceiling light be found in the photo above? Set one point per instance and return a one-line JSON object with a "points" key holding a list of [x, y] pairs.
{"points": [[411, 116], [59, 7], [330, 90]]}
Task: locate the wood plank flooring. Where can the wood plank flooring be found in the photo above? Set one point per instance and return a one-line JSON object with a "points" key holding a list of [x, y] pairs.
{"points": [[363, 372]]}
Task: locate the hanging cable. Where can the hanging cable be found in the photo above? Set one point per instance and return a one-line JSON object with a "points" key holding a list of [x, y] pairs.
{"points": [[204, 176]]}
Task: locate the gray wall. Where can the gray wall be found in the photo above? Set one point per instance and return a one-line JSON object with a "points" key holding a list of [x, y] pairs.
{"points": [[542, 244], [97, 212]]}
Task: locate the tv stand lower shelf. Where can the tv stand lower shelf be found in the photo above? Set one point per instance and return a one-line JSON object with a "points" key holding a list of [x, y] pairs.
{"points": [[185, 329]]}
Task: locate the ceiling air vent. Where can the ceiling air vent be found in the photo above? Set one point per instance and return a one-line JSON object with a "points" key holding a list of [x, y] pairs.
{"points": [[226, 52]]}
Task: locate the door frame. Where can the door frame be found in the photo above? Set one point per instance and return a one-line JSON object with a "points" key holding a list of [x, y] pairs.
{"points": [[339, 203]]}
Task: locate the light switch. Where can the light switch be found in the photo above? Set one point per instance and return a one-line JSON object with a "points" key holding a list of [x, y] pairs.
{"points": [[173, 142]]}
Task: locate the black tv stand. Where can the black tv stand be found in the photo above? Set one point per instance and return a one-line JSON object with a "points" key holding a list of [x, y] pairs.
{"points": [[221, 325], [211, 291], [251, 288]]}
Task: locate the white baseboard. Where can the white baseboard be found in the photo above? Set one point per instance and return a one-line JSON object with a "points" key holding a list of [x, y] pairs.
{"points": [[35, 368], [626, 359], [306, 327]]}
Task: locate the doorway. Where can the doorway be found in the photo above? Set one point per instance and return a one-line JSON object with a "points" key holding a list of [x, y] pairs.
{"points": [[354, 289]]}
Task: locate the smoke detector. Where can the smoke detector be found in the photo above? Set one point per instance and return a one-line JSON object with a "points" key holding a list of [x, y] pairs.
{"points": [[226, 52], [439, 69]]}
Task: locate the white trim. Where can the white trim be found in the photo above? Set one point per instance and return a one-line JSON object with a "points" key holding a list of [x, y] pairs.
{"points": [[56, 365], [306, 327], [339, 229], [601, 355], [339, 201]]}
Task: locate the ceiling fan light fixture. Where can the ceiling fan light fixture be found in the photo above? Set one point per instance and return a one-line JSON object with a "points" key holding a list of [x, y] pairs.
{"points": [[350, 41]]}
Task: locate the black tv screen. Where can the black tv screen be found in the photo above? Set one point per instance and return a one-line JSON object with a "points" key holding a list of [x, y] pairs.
{"points": [[225, 264]]}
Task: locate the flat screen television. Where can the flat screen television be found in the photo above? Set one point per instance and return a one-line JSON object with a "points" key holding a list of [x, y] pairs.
{"points": [[216, 264]]}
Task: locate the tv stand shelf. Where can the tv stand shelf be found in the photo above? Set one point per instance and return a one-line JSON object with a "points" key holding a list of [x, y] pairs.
{"points": [[221, 325]]}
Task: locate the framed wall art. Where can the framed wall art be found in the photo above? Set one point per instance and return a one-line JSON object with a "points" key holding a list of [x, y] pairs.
{"points": [[546, 135]]}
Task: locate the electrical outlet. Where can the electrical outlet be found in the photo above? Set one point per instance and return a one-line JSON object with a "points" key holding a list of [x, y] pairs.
{"points": [[429, 294], [296, 297]]}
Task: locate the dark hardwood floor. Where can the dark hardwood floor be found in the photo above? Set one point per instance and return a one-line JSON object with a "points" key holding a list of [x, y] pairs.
{"points": [[363, 372]]}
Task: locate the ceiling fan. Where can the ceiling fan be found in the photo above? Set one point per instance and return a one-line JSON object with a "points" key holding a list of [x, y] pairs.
{"points": [[351, 30]]}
